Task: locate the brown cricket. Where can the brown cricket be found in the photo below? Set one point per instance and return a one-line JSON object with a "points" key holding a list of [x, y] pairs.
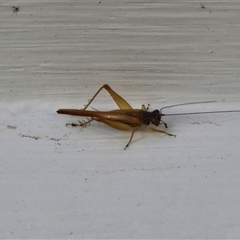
{"points": [[127, 118]]}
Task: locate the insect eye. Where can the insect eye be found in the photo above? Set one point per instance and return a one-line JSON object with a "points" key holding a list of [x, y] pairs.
{"points": [[155, 121]]}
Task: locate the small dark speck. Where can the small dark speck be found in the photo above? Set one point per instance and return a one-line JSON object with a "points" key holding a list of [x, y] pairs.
{"points": [[202, 6], [15, 9]]}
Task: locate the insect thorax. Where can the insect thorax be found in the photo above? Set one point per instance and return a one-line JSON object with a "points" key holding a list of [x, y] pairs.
{"points": [[153, 117]]}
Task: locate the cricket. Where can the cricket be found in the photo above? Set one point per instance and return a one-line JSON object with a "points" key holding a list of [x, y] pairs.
{"points": [[126, 118]]}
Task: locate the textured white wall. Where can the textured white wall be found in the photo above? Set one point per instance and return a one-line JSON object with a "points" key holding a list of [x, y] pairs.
{"points": [[73, 183]]}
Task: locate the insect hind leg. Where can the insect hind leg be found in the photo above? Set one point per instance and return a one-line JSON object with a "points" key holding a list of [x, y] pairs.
{"points": [[122, 103], [82, 124]]}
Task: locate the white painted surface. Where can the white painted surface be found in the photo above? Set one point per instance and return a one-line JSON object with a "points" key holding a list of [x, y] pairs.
{"points": [[74, 183]]}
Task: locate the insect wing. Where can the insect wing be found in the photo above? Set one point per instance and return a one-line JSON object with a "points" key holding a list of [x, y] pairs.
{"points": [[114, 124]]}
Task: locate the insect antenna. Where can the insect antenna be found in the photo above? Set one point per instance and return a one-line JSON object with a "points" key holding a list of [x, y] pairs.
{"points": [[182, 104], [193, 113]]}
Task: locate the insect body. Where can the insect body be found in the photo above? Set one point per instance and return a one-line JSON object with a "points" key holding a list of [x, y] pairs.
{"points": [[125, 118]]}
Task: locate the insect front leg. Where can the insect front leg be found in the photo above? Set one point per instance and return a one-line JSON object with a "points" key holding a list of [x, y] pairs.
{"points": [[144, 107], [165, 124], [157, 130], [122, 103], [133, 131]]}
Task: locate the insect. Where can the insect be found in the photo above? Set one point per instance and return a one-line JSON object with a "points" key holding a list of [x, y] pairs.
{"points": [[126, 118]]}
